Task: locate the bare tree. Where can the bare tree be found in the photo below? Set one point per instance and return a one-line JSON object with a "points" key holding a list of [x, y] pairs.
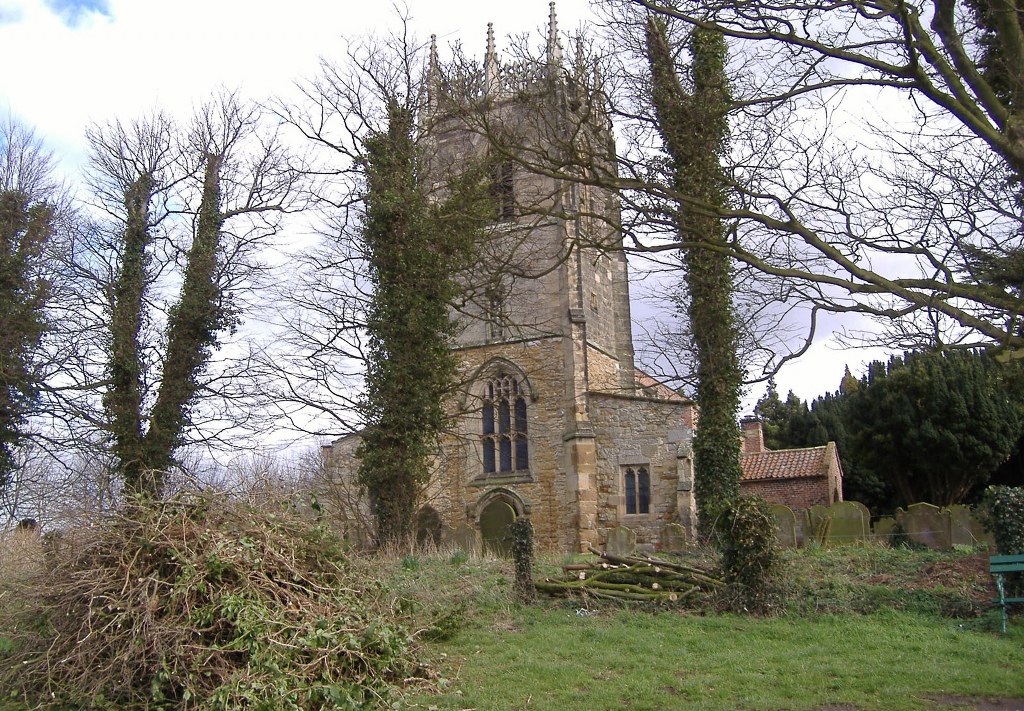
{"points": [[185, 211], [875, 163]]}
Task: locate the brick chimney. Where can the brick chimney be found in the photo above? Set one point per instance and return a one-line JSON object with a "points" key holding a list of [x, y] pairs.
{"points": [[751, 435]]}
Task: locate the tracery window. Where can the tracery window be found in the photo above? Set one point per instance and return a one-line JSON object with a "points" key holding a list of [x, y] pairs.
{"points": [[637, 484], [505, 443]]}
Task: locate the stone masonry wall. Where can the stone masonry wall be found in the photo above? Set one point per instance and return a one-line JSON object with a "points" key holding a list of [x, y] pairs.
{"points": [[545, 491], [633, 431]]}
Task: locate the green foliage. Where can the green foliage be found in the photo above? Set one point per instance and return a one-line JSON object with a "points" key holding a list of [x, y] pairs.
{"points": [[929, 426], [750, 559], [26, 226], [201, 603], [999, 49], [694, 128], [935, 425], [1002, 511], [521, 533], [415, 247]]}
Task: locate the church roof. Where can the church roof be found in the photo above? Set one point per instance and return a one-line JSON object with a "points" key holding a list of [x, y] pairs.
{"points": [[655, 388], [807, 463]]}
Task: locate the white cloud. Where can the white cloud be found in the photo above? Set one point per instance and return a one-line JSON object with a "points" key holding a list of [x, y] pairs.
{"points": [[143, 54]]}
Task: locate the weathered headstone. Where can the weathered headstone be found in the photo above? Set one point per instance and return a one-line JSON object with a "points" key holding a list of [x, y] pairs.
{"points": [[884, 529], [466, 538], [816, 524], [981, 534], [960, 519], [428, 527], [785, 522], [448, 538], [672, 538], [927, 524], [848, 523], [621, 541]]}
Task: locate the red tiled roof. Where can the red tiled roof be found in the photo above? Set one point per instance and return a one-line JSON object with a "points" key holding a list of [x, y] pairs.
{"points": [[785, 464]]}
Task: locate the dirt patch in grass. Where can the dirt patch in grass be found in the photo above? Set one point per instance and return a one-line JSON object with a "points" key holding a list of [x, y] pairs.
{"points": [[979, 704], [967, 574], [956, 702]]}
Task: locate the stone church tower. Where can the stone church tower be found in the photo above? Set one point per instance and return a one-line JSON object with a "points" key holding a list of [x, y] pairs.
{"points": [[557, 423], [554, 421]]}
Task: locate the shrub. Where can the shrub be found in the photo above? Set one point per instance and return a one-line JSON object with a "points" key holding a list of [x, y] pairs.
{"points": [[746, 533], [1002, 512], [202, 603]]}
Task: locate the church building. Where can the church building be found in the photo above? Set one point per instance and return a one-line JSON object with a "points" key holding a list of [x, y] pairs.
{"points": [[557, 423]]}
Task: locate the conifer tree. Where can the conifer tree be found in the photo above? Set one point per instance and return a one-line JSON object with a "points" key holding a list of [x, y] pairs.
{"points": [[28, 215]]}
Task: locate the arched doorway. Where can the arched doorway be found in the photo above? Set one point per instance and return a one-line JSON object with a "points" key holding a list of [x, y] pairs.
{"points": [[428, 527], [495, 518]]}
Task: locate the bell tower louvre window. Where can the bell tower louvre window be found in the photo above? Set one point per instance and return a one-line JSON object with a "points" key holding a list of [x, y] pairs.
{"points": [[503, 191]]}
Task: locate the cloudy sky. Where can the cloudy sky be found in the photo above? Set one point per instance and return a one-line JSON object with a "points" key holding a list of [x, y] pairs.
{"points": [[68, 63]]}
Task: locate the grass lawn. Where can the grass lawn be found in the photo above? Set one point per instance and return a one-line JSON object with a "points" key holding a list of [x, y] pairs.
{"points": [[863, 628], [550, 658], [854, 629]]}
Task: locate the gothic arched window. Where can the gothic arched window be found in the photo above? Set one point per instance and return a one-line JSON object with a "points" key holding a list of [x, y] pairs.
{"points": [[505, 444], [637, 483]]}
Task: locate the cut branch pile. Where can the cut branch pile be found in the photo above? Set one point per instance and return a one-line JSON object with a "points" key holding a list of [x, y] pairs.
{"points": [[642, 578], [203, 603]]}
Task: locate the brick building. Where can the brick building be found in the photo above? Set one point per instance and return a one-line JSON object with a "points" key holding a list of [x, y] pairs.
{"points": [[798, 478]]}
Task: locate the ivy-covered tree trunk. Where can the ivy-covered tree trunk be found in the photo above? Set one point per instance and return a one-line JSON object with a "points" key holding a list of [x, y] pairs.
{"points": [[694, 127], [415, 248], [191, 329], [145, 446], [123, 398]]}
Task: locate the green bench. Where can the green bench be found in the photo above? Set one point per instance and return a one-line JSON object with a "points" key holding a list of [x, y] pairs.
{"points": [[999, 566]]}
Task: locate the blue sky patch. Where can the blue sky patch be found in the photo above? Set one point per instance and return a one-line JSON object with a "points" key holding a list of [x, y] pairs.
{"points": [[10, 15], [72, 11]]}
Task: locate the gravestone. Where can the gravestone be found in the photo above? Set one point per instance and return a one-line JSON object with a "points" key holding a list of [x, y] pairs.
{"points": [[785, 522], [448, 538], [621, 541], [672, 538], [466, 538], [428, 527], [927, 524], [848, 523], [982, 534], [960, 520], [884, 529], [816, 524]]}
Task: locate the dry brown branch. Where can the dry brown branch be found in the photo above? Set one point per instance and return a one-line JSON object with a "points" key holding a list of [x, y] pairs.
{"points": [[197, 602]]}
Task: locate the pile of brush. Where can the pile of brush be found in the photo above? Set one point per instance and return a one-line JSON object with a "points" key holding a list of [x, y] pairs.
{"points": [[636, 577]]}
